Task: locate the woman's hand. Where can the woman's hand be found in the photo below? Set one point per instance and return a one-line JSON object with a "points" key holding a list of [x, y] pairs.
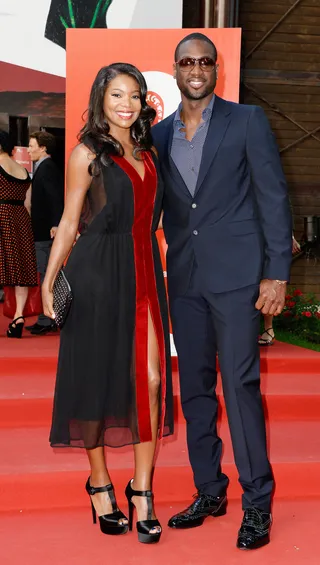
{"points": [[53, 232], [47, 302], [295, 246]]}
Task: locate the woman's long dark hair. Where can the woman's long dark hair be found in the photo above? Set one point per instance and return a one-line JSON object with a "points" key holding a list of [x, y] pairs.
{"points": [[95, 133], [6, 143]]}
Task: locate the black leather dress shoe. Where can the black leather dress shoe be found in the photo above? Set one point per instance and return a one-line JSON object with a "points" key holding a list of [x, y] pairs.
{"points": [[255, 529], [43, 330], [204, 505], [35, 326]]}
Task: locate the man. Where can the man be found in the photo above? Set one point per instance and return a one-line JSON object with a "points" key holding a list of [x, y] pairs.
{"points": [[47, 199], [227, 224]]}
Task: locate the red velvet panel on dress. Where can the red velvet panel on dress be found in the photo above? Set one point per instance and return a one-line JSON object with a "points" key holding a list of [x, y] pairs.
{"points": [[146, 291], [152, 288]]}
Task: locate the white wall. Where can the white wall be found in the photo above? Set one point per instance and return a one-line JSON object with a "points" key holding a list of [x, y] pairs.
{"points": [[144, 14]]}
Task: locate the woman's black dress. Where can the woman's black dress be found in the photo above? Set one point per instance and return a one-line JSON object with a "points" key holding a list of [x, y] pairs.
{"points": [[115, 272]]}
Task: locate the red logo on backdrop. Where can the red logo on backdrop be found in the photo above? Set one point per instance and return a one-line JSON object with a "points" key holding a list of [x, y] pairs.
{"points": [[20, 154], [156, 102]]}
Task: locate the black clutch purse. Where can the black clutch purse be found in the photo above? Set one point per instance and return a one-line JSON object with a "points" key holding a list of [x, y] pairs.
{"points": [[62, 298]]}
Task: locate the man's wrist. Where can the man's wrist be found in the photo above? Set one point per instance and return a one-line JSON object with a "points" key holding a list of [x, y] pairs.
{"points": [[280, 282]]}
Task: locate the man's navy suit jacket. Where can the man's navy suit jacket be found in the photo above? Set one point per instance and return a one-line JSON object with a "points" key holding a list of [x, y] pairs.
{"points": [[236, 229]]}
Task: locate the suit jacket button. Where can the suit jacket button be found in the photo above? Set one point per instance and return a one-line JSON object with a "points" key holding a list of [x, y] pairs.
{"points": [[194, 205], [195, 232]]}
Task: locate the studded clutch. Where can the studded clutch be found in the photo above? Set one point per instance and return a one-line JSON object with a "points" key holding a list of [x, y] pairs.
{"points": [[62, 298]]}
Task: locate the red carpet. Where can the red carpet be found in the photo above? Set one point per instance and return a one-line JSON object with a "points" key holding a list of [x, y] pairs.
{"points": [[45, 515], [68, 537]]}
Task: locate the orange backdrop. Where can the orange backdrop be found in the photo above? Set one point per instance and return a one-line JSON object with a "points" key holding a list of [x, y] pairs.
{"points": [[152, 51]]}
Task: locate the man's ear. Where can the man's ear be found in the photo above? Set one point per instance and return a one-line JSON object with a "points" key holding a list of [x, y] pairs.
{"points": [[174, 70]]}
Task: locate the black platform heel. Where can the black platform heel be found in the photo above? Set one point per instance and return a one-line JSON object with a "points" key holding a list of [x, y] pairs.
{"points": [[14, 329], [143, 527], [109, 523]]}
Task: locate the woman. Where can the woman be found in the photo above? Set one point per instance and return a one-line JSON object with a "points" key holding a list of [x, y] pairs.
{"points": [[114, 382], [17, 253]]}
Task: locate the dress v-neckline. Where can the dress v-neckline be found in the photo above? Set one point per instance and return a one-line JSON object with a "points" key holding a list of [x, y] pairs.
{"points": [[132, 167]]}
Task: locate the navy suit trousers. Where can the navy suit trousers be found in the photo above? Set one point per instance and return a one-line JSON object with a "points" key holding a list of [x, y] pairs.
{"points": [[205, 325]]}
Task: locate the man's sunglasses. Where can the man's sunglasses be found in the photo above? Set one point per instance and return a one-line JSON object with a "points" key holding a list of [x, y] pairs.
{"points": [[188, 63]]}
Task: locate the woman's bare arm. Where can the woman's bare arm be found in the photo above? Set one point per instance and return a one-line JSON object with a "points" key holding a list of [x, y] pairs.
{"points": [[78, 182], [27, 201]]}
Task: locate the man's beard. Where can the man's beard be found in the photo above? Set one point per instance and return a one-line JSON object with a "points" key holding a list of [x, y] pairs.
{"points": [[197, 94]]}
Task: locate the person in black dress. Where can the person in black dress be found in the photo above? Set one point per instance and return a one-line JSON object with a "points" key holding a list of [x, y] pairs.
{"points": [[114, 372], [18, 266]]}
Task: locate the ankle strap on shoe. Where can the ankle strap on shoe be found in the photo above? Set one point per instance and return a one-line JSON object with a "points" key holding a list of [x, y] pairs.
{"points": [[107, 488], [148, 494], [94, 490]]}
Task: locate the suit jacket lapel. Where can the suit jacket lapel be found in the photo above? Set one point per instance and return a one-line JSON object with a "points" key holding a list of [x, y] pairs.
{"points": [[35, 173], [169, 162], [38, 167], [219, 123]]}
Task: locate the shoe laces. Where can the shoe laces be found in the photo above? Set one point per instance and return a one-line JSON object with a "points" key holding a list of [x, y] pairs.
{"points": [[201, 501], [253, 518]]}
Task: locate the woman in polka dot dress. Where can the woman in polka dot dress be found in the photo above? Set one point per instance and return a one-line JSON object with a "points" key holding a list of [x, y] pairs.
{"points": [[17, 252]]}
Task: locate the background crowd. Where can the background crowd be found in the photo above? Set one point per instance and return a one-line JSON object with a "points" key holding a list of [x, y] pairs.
{"points": [[30, 211]]}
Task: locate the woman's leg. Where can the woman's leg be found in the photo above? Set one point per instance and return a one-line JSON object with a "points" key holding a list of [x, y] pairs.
{"points": [[268, 321], [268, 334], [99, 478], [21, 293], [144, 452]]}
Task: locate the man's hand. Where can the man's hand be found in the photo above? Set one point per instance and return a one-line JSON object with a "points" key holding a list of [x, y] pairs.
{"points": [[272, 297], [53, 232]]}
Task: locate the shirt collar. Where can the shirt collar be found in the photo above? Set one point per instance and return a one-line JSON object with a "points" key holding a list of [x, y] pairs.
{"points": [[36, 165], [206, 114]]}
